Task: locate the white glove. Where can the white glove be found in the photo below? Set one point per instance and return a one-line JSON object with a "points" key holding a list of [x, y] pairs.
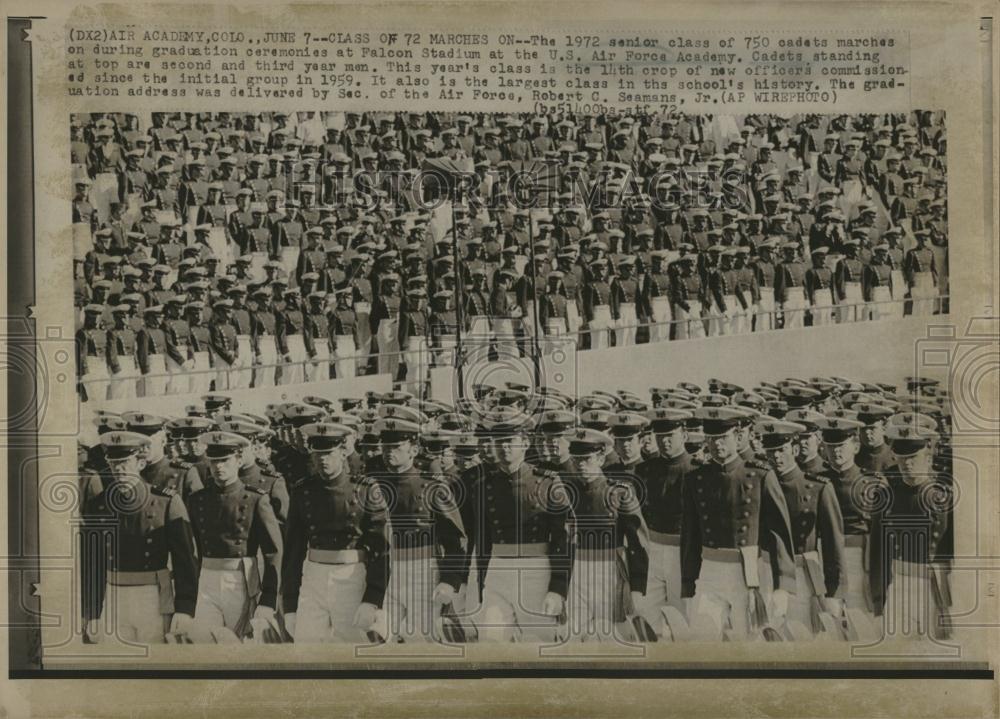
{"points": [[188, 365], [92, 631], [834, 606], [779, 605], [365, 616], [290, 624], [637, 598], [553, 604], [262, 619], [444, 593], [181, 623]]}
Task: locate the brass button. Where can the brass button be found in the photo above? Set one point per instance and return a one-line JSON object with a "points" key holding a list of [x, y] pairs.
{"points": [[743, 542], [745, 514]]}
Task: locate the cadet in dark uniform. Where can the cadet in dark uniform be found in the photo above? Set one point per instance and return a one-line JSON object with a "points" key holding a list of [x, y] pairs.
{"points": [[427, 547], [912, 538], [789, 286], [820, 289], [610, 563], [817, 535], [92, 354], [160, 471], [231, 522], [256, 470], [874, 455], [520, 539], [661, 479], [225, 345], [131, 532], [809, 456], [733, 510], [336, 562]]}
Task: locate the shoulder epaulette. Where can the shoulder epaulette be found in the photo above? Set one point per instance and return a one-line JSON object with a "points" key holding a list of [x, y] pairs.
{"points": [[256, 489], [164, 491], [756, 464], [818, 478], [181, 464]]}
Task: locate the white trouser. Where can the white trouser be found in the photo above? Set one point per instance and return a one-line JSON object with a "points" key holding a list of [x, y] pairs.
{"points": [[740, 323], [318, 367], [822, 307], [241, 378], [513, 595], [409, 601], [345, 352], [721, 602], [136, 613], [800, 603], [388, 347], [222, 599], [223, 373], [155, 385], [95, 381], [573, 319], [445, 354], [179, 381], [415, 356], [880, 307], [663, 583], [898, 294], [729, 322], [264, 376], [83, 240], [793, 307], [717, 320], [479, 329], [626, 325], [554, 327], [591, 601], [765, 310], [123, 384], [201, 375], [329, 596], [853, 304], [689, 322], [858, 594], [659, 331], [923, 293], [599, 326], [506, 340], [292, 372], [911, 609]]}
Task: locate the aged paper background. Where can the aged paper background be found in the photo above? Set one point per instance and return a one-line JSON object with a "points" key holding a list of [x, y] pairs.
{"points": [[946, 73]]}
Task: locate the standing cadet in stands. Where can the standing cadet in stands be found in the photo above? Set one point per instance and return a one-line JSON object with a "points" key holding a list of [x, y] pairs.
{"points": [[789, 287], [820, 288], [151, 348]]}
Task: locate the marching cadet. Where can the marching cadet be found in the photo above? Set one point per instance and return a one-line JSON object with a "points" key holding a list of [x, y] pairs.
{"points": [[151, 347], [610, 563], [427, 547], [344, 326], [661, 481], [520, 539], [224, 343], [159, 470], [817, 531], [820, 288], [201, 347], [413, 331], [184, 443], [854, 491], [877, 284], [125, 576], [688, 299], [178, 343], [627, 429], [848, 277], [231, 522], [289, 329], [335, 567], [318, 339], [921, 274], [121, 356], [789, 286], [655, 296], [808, 442], [554, 428], [243, 324], [874, 455], [92, 353], [733, 509], [625, 306], [912, 538]]}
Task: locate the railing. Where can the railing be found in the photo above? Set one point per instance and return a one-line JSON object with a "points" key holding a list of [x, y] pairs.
{"points": [[752, 320]]}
